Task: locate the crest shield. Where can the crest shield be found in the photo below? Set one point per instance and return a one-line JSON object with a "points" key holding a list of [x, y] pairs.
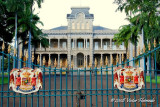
{"points": [[128, 79], [25, 80]]}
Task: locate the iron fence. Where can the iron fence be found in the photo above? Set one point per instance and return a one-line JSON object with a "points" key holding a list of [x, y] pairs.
{"points": [[92, 87]]}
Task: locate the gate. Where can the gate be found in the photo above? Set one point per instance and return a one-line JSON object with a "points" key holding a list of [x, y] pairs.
{"points": [[94, 87]]}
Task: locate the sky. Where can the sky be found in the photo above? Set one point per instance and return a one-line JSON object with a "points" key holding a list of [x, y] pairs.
{"points": [[53, 13]]}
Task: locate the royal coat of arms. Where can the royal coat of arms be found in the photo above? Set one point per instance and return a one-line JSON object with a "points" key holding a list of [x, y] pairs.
{"points": [[128, 79], [25, 80]]}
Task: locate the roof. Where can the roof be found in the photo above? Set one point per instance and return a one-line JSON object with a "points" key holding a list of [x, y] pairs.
{"points": [[76, 10], [94, 28], [60, 28]]}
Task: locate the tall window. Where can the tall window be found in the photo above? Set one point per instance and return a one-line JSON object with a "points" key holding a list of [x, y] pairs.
{"points": [[73, 25], [96, 46], [78, 26], [87, 25], [105, 45], [113, 46], [122, 46], [64, 45], [82, 26], [80, 44], [72, 44]]}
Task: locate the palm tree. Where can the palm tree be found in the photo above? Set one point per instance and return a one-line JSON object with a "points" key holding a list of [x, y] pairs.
{"points": [[144, 16], [31, 3]]}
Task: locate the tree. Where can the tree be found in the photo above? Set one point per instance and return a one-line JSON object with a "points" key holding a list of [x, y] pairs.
{"points": [[143, 15]]}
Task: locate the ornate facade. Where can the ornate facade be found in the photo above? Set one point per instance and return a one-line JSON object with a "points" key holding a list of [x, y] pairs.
{"points": [[80, 42]]}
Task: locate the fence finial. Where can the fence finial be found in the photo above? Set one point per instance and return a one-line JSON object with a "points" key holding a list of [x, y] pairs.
{"points": [[90, 64], [117, 59], [14, 51], [9, 48], [139, 50], [55, 63], [32, 57], [122, 56], [101, 62], [3, 46], [85, 63], [38, 60], [20, 54], [95, 62], [106, 60], [133, 53], [128, 55], [154, 42], [72, 64], [60, 63], [144, 49], [66, 63], [44, 60], [149, 46], [49, 62], [26, 54], [111, 59]]}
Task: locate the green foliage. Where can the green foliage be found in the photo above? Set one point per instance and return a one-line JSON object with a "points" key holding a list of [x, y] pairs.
{"points": [[26, 21], [142, 14]]}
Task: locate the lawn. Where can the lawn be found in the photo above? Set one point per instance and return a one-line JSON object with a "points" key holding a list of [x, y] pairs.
{"points": [[153, 80], [5, 80]]}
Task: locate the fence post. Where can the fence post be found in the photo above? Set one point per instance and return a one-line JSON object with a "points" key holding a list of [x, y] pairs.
{"points": [[3, 47], [79, 90], [8, 94]]}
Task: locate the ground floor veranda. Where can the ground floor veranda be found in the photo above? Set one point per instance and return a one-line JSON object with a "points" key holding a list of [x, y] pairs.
{"points": [[79, 60]]}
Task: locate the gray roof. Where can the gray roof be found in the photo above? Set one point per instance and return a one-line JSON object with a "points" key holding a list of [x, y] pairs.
{"points": [[76, 10], [94, 28], [60, 28]]}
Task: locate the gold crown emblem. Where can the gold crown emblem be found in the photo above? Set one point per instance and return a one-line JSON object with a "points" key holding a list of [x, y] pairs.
{"points": [[129, 73], [26, 74]]}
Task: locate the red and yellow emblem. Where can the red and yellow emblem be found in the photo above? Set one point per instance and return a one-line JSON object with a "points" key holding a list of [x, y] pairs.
{"points": [[25, 80], [129, 79]]}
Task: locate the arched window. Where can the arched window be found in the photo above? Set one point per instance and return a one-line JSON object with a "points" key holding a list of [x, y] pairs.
{"points": [[73, 25]]}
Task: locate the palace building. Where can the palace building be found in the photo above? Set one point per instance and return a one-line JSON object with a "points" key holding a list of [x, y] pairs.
{"points": [[80, 42]]}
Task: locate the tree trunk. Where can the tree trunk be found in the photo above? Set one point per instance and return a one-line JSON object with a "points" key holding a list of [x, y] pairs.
{"points": [[15, 45]]}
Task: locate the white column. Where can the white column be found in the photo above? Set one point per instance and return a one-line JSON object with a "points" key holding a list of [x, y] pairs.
{"points": [[76, 43], [76, 61], [84, 43], [58, 43], [40, 46], [110, 43], [120, 59], [49, 43], [84, 60], [40, 59], [101, 43], [102, 59], [110, 59]]}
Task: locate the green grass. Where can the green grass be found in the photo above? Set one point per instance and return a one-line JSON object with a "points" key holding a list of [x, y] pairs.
{"points": [[153, 80], [5, 80]]}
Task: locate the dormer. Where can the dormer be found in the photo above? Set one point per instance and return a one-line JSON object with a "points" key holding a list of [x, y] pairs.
{"points": [[80, 19]]}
